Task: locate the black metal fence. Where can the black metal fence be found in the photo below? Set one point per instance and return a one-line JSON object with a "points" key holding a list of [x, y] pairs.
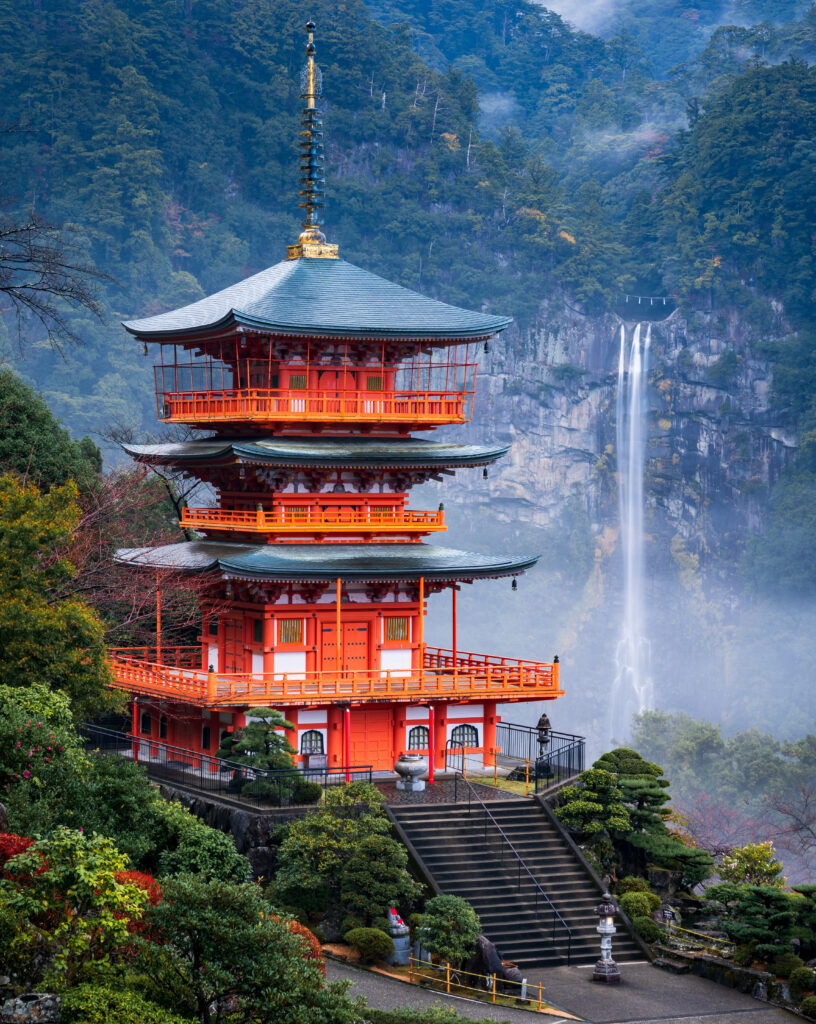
{"points": [[213, 775], [549, 757]]}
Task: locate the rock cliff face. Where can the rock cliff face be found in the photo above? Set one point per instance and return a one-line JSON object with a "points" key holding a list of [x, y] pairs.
{"points": [[715, 444]]}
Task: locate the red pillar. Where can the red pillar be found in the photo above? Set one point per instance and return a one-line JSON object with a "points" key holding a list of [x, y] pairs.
{"points": [[430, 743], [268, 643], [398, 741], [347, 738], [489, 732], [134, 728], [334, 736], [440, 734]]}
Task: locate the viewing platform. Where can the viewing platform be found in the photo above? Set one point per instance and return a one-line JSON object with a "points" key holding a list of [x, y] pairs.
{"points": [[170, 673], [271, 407], [348, 519]]}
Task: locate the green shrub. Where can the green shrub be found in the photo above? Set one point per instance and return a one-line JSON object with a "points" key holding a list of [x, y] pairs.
{"points": [[800, 981], [808, 1007], [647, 929], [450, 928], [90, 1004], [745, 954], [370, 943], [414, 921], [381, 924], [785, 963], [631, 883], [308, 792], [195, 848], [639, 904]]}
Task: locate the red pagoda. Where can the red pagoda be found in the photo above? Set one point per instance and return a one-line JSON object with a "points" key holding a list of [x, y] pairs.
{"points": [[308, 381]]}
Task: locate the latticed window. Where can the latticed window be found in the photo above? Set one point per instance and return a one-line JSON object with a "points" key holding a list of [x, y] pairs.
{"points": [[311, 742], [465, 736], [418, 738], [396, 628], [297, 381], [374, 383], [290, 631], [296, 512]]}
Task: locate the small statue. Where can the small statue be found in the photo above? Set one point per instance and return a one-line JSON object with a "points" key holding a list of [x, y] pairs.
{"points": [[396, 926]]}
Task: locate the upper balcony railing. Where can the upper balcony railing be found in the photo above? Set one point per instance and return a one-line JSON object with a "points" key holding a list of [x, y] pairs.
{"points": [[315, 520], [274, 406], [444, 677]]}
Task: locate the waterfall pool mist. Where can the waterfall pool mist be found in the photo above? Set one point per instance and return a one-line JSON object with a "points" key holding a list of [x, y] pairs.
{"points": [[633, 688]]}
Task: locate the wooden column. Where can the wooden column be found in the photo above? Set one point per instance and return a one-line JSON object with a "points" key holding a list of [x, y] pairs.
{"points": [[430, 743], [268, 642], [489, 731], [346, 735], [398, 742], [440, 729], [334, 735], [158, 622]]}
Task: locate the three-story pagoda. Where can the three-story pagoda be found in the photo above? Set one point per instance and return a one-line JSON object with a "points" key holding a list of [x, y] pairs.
{"points": [[310, 379]]}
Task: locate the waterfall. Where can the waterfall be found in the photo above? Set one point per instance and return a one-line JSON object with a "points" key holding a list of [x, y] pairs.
{"points": [[632, 691]]}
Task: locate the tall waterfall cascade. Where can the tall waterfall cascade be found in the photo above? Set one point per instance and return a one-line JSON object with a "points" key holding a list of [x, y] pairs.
{"points": [[633, 688]]}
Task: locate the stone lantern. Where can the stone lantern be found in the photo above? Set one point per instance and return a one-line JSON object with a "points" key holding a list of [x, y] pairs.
{"points": [[606, 970]]}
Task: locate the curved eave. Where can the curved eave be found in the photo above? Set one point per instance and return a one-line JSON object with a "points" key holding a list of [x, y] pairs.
{"points": [[185, 453], [323, 563], [235, 318]]}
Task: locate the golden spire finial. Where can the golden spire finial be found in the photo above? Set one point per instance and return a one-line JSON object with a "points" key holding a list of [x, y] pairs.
{"points": [[312, 241]]}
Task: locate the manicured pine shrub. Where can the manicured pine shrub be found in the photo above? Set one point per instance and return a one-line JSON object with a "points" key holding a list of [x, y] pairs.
{"points": [[801, 980], [785, 963], [647, 929], [370, 943], [808, 1007], [639, 904], [93, 1004]]}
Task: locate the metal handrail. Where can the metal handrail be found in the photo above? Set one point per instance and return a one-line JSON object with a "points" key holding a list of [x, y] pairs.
{"points": [[216, 774], [538, 889]]}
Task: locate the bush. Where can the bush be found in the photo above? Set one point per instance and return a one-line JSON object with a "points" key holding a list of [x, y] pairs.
{"points": [[370, 943], [308, 792], [197, 849], [315, 953], [639, 904], [808, 1007], [800, 981], [745, 954], [89, 1004], [785, 963], [450, 928], [647, 929], [632, 884]]}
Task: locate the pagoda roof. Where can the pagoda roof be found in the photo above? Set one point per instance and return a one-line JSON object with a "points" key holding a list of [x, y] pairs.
{"points": [[326, 562], [352, 452], [320, 298]]}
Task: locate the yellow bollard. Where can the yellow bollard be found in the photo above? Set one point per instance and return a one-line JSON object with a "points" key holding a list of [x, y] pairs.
{"points": [[447, 977], [527, 779], [411, 968], [539, 995], [494, 988], [495, 770]]}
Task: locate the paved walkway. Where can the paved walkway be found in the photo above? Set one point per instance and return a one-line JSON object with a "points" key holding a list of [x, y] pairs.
{"points": [[647, 995]]}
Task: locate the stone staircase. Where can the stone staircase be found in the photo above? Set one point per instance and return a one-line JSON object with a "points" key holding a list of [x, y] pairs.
{"points": [[449, 843]]}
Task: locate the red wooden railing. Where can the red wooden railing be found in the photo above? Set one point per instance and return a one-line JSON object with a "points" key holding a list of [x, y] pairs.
{"points": [[340, 519], [474, 676], [260, 405]]}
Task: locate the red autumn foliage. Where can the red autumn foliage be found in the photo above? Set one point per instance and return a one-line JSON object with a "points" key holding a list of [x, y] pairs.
{"points": [[142, 881], [12, 844], [315, 950]]}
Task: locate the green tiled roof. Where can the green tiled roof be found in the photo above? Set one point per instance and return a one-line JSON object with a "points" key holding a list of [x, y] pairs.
{"points": [[326, 562], [350, 452], [321, 297]]}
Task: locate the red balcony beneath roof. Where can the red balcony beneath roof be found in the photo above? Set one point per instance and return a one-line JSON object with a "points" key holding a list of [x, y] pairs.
{"points": [[446, 675]]}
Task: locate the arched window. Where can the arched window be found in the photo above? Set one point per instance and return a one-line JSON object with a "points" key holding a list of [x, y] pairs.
{"points": [[145, 723], [418, 737], [311, 742], [465, 736]]}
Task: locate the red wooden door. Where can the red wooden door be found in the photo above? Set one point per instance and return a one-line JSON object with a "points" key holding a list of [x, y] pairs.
{"points": [[355, 646], [372, 738]]}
